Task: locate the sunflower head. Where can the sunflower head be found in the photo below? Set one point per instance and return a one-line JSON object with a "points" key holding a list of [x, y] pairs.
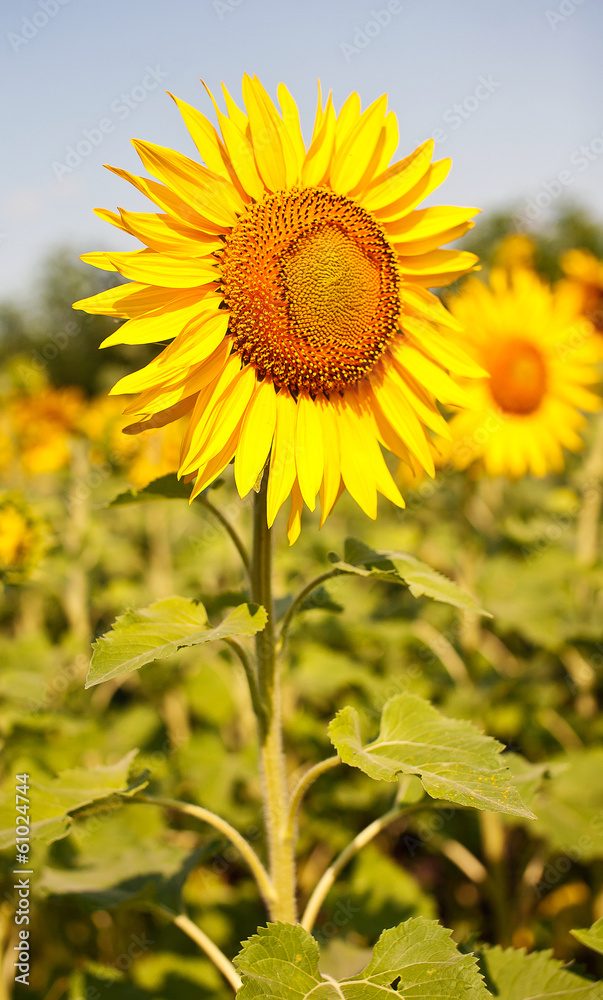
{"points": [[540, 356], [292, 282]]}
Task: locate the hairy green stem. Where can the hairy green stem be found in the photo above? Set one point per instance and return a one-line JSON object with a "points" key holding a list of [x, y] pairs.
{"points": [[276, 806], [237, 839], [207, 945]]}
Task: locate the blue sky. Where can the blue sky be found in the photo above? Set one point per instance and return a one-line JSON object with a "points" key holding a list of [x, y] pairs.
{"points": [[509, 88]]}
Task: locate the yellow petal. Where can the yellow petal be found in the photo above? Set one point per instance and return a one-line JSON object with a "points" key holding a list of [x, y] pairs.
{"points": [[221, 418], [127, 300], [290, 116], [154, 328], [207, 193], [282, 460], [438, 262], [166, 199], [427, 222], [294, 521], [257, 432], [354, 156], [159, 269], [428, 305], [205, 137], [212, 469], [308, 448], [428, 374], [442, 349], [167, 235], [331, 480], [436, 175], [399, 414], [265, 137], [347, 118], [318, 157], [399, 179], [289, 152], [357, 458]]}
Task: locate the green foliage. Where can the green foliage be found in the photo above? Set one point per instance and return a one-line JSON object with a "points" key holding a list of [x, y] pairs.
{"points": [[513, 975], [152, 878], [453, 760], [165, 488], [403, 568], [592, 937], [139, 637], [415, 959], [71, 790]]}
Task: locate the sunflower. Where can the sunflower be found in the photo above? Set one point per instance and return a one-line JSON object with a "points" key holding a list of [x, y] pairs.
{"points": [[22, 539], [293, 285], [540, 354], [585, 273]]}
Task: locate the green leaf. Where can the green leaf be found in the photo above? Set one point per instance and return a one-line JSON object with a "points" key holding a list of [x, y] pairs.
{"points": [[403, 568], [452, 758], [152, 878], [165, 488], [139, 637], [52, 802], [569, 807], [417, 959], [512, 975], [592, 937]]}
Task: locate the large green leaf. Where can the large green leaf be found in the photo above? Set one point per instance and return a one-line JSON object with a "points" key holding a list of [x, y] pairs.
{"points": [[403, 568], [53, 801], [512, 975], [151, 878], [452, 758], [592, 937], [139, 637], [281, 962]]}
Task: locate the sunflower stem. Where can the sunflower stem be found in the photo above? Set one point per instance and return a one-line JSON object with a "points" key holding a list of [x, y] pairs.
{"points": [[274, 783]]}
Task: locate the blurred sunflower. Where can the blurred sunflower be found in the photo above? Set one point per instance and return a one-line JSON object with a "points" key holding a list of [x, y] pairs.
{"points": [[22, 539], [585, 273], [42, 424], [540, 354], [293, 285]]}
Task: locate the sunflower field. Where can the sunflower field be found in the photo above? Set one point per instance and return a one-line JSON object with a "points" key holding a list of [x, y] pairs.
{"points": [[301, 634]]}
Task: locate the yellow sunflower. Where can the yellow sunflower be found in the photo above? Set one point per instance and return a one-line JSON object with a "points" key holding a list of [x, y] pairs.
{"points": [[293, 285], [585, 273], [540, 354]]}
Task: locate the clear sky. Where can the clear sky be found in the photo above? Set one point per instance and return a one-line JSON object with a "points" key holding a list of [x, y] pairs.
{"points": [[511, 89]]}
